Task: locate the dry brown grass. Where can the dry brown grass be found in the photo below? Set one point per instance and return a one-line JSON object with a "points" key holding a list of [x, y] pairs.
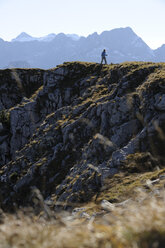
{"points": [[137, 223]]}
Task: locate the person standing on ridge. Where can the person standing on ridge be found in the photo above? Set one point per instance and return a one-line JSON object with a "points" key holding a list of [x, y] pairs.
{"points": [[103, 57]]}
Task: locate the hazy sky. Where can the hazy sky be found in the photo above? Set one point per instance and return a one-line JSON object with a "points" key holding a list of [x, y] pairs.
{"points": [[83, 17]]}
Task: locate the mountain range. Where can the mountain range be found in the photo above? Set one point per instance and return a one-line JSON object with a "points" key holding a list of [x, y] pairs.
{"points": [[122, 44], [24, 37]]}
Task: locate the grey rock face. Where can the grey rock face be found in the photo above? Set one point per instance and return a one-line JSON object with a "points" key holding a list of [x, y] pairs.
{"points": [[76, 127], [160, 102], [23, 122], [18, 83], [1, 127]]}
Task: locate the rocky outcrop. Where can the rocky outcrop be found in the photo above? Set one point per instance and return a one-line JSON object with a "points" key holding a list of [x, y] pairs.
{"points": [[77, 126], [17, 86]]}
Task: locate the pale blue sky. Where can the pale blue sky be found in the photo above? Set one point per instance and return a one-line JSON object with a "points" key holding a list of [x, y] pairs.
{"points": [[41, 17]]}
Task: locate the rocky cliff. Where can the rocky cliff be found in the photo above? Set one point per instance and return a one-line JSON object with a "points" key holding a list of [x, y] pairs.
{"points": [[67, 131]]}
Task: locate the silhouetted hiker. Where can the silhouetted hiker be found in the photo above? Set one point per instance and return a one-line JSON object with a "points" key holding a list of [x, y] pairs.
{"points": [[103, 57]]}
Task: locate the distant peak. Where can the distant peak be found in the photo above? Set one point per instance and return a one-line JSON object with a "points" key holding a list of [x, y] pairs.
{"points": [[73, 36], [128, 28], [51, 34], [23, 34], [23, 37], [93, 35]]}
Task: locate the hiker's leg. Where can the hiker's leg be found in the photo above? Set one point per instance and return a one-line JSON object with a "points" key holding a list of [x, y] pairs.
{"points": [[105, 60], [101, 60]]}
